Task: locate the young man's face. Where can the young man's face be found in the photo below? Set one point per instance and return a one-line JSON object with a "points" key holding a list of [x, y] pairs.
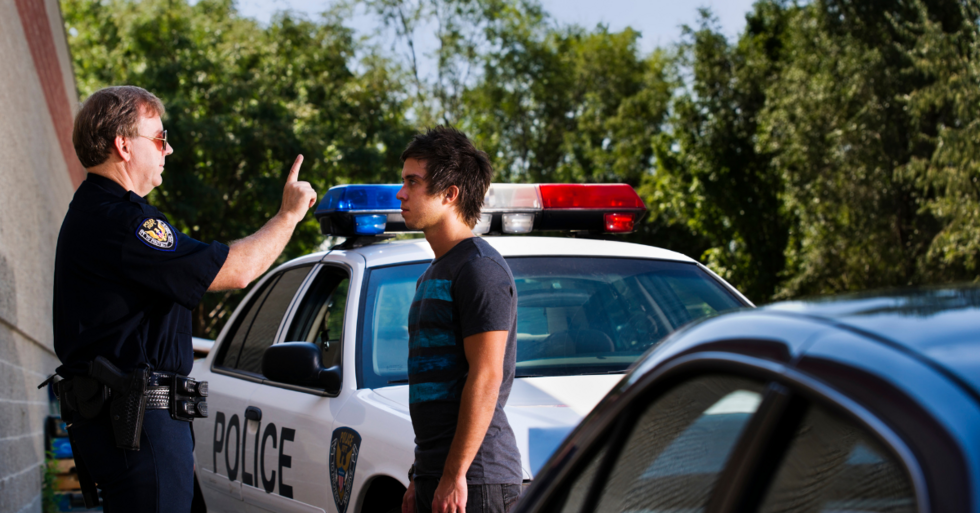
{"points": [[420, 209]]}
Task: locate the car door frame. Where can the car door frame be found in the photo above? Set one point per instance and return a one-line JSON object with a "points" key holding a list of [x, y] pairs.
{"points": [[614, 419], [350, 330], [348, 265], [210, 478]]}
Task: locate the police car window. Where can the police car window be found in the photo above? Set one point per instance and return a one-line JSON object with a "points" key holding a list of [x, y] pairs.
{"points": [[262, 333], [579, 315], [679, 446], [384, 324], [228, 354], [834, 465], [575, 315], [320, 316]]}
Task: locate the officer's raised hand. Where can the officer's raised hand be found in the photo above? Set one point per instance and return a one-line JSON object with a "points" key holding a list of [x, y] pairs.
{"points": [[297, 197], [250, 257]]}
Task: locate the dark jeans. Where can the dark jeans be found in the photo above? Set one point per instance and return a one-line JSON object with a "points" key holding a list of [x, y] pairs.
{"points": [[493, 498], [157, 478]]}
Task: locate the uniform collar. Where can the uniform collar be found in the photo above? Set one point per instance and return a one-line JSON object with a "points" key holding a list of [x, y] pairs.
{"points": [[106, 183], [113, 188]]}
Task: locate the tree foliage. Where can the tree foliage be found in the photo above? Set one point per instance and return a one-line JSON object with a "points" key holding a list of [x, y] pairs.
{"points": [[831, 146], [710, 169], [947, 53]]}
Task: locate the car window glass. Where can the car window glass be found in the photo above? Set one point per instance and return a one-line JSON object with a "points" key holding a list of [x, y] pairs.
{"points": [[385, 324], [579, 315], [834, 465], [679, 446], [575, 315], [228, 355], [262, 333], [320, 316], [580, 486]]}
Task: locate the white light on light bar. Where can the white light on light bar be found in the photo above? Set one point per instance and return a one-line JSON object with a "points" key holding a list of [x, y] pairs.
{"points": [[507, 196], [518, 223], [483, 225]]}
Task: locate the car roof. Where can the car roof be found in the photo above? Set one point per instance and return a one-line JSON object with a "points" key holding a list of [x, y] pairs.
{"points": [[416, 250], [941, 325]]}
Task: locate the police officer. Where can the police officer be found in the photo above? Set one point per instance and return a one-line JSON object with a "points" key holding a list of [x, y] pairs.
{"points": [[125, 284]]}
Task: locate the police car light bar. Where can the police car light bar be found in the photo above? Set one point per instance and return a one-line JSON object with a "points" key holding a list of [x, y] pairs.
{"points": [[371, 210]]}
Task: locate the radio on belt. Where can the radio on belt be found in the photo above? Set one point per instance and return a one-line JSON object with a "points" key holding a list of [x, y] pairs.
{"points": [[373, 210]]}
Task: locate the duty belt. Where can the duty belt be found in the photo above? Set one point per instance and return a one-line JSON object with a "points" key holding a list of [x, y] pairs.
{"points": [[183, 396], [129, 396], [158, 398]]}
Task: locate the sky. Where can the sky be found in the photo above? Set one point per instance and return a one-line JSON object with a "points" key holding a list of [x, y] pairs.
{"points": [[658, 21]]}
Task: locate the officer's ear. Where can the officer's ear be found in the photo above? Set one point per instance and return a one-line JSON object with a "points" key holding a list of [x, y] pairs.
{"points": [[123, 148]]}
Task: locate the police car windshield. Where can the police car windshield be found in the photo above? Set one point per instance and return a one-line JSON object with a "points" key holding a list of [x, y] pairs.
{"points": [[575, 315]]}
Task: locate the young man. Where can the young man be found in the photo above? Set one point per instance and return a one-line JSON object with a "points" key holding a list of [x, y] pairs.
{"points": [[124, 286], [462, 327]]}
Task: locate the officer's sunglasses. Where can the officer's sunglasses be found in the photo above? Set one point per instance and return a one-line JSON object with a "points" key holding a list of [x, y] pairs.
{"points": [[164, 139]]}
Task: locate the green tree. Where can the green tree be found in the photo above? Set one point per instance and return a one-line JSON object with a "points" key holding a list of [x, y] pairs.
{"points": [[242, 101], [839, 131], [710, 174], [949, 178]]}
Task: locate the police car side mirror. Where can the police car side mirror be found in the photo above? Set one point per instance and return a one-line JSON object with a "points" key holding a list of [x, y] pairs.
{"points": [[298, 363], [330, 379]]}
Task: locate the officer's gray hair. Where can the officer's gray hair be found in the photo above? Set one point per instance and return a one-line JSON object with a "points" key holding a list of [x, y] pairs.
{"points": [[107, 113]]}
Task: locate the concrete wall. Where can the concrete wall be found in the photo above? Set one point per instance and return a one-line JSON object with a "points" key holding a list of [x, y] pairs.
{"points": [[38, 175]]}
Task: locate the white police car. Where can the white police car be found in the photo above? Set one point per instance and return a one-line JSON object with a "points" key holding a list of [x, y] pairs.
{"points": [[308, 380]]}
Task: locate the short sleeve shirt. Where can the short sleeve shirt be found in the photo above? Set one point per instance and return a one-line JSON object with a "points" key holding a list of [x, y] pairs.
{"points": [[467, 291], [125, 282]]}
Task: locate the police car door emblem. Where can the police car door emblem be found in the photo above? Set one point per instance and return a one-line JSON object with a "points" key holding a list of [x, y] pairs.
{"points": [[344, 447], [157, 234]]}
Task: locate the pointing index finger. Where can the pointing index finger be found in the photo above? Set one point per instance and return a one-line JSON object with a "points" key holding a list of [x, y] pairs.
{"points": [[294, 171]]}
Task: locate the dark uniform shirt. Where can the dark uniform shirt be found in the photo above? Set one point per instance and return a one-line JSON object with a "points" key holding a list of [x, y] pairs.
{"points": [[125, 282]]}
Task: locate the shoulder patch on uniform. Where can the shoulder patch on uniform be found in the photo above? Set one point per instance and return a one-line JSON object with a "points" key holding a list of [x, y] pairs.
{"points": [[157, 234], [344, 447]]}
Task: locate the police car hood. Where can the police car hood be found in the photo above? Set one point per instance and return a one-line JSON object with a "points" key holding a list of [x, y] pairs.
{"points": [[541, 411]]}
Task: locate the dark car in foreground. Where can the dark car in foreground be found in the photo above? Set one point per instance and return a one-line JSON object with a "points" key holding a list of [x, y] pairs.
{"points": [[864, 403]]}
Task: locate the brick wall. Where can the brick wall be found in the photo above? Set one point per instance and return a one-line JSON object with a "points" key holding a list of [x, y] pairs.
{"points": [[38, 175]]}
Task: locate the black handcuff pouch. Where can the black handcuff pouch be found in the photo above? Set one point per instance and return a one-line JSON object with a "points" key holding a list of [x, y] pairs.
{"points": [[188, 399]]}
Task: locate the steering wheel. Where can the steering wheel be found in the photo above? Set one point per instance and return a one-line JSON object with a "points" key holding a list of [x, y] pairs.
{"points": [[640, 330]]}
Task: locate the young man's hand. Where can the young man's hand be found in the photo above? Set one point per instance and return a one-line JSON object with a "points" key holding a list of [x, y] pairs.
{"points": [[450, 496], [408, 500]]}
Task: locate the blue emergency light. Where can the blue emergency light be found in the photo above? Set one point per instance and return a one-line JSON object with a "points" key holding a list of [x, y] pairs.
{"points": [[351, 210], [351, 198], [372, 210]]}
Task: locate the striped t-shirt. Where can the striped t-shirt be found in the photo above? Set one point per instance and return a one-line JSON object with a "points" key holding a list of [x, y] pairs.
{"points": [[467, 291]]}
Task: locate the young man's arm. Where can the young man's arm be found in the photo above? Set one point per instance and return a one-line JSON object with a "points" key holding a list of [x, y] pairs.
{"points": [[485, 355]]}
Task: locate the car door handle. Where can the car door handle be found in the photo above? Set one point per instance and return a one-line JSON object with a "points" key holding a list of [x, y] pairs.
{"points": [[253, 413]]}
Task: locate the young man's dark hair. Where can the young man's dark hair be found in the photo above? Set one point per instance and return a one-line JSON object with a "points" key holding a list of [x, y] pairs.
{"points": [[451, 159], [110, 112]]}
